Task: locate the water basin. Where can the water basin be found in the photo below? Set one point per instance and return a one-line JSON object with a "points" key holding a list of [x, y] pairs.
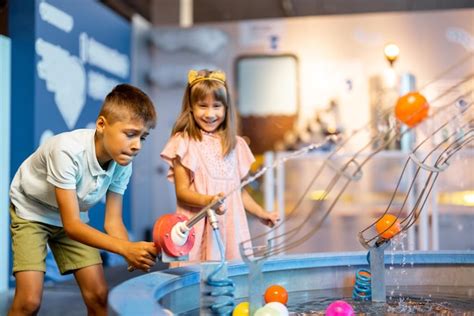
{"points": [[417, 282]]}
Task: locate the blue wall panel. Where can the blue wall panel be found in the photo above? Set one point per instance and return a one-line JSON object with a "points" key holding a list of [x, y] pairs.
{"points": [[5, 75]]}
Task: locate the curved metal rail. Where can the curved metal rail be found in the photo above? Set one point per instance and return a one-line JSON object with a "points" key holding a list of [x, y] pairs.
{"points": [[452, 144], [349, 171]]}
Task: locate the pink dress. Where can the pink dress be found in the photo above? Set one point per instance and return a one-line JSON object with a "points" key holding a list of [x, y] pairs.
{"points": [[210, 174]]}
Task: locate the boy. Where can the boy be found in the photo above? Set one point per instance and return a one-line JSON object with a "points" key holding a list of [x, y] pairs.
{"points": [[53, 189]]}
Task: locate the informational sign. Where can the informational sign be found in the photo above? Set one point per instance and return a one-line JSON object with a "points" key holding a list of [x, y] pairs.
{"points": [[261, 35], [81, 51], [64, 64], [267, 85]]}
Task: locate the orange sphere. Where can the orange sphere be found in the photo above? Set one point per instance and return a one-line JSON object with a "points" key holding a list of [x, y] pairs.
{"points": [[276, 293], [385, 228], [412, 108]]}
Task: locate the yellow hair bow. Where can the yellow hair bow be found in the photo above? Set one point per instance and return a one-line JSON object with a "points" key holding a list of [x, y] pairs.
{"points": [[194, 77]]}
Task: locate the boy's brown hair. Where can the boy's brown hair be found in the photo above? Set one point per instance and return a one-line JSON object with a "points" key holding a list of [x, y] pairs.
{"points": [[126, 99]]}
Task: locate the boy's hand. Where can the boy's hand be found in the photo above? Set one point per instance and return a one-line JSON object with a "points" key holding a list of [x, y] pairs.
{"points": [[140, 255], [221, 209], [270, 218]]}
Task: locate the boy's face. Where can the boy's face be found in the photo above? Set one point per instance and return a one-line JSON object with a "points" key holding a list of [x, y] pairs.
{"points": [[119, 141]]}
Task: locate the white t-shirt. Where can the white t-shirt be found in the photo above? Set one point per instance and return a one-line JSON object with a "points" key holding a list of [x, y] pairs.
{"points": [[66, 161]]}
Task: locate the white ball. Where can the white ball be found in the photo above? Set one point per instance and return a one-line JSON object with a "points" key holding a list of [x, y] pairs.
{"points": [[168, 312], [279, 307], [266, 311]]}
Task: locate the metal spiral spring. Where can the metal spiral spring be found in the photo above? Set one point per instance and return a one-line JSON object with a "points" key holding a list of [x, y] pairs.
{"points": [[362, 287], [223, 288]]}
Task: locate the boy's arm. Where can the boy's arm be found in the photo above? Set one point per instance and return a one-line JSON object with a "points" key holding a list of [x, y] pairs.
{"points": [[184, 193], [113, 223], [139, 254], [268, 218]]}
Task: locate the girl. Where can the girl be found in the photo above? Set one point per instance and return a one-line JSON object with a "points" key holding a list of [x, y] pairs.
{"points": [[207, 158]]}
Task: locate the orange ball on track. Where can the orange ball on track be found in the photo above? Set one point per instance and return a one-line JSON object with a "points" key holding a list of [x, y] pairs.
{"points": [[276, 293], [385, 228], [412, 108]]}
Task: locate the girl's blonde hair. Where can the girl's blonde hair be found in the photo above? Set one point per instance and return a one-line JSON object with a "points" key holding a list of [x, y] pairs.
{"points": [[198, 89]]}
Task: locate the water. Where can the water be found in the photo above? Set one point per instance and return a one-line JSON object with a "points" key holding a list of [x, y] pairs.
{"points": [[419, 300], [414, 300]]}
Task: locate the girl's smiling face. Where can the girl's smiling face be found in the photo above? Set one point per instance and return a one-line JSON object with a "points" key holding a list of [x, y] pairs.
{"points": [[209, 113]]}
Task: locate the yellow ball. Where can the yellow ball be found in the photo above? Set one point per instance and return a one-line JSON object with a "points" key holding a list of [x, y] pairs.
{"points": [[242, 309]]}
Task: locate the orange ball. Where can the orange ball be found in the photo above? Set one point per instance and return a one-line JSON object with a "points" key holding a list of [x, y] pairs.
{"points": [[412, 108], [276, 293], [385, 228]]}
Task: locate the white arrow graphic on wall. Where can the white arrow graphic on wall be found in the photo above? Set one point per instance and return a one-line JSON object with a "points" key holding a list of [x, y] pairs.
{"points": [[65, 76]]}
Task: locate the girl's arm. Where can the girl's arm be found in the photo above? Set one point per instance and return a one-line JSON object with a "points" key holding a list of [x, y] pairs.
{"points": [[184, 193], [139, 254], [268, 218]]}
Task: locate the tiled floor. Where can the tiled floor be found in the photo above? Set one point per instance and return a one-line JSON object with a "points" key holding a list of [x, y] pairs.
{"points": [[65, 298]]}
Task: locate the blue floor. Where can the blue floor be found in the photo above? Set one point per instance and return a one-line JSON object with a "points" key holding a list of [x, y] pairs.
{"points": [[64, 298]]}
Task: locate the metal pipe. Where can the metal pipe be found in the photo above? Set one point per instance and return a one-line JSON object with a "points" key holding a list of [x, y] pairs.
{"points": [[186, 13], [202, 213]]}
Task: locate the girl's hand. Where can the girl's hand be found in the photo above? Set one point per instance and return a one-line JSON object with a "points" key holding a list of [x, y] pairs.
{"points": [[221, 209], [270, 218], [140, 255]]}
